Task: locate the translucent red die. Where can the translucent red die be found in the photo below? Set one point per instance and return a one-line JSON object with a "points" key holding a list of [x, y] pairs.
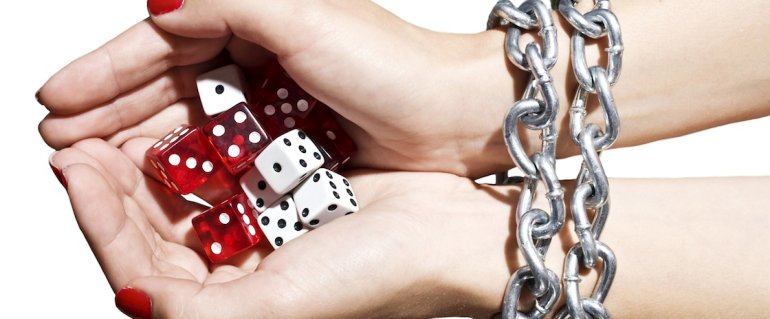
{"points": [[278, 102], [184, 159], [335, 145], [228, 228], [237, 137]]}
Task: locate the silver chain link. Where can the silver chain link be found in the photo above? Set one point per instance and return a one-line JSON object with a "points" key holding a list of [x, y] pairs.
{"points": [[537, 227]]}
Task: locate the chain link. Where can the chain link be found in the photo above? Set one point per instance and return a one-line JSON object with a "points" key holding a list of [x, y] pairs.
{"points": [[537, 110]]}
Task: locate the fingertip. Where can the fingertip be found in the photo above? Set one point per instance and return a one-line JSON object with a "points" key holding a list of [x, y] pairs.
{"points": [[71, 90], [56, 171], [134, 303], [189, 18], [38, 98], [160, 7], [48, 135], [161, 297]]}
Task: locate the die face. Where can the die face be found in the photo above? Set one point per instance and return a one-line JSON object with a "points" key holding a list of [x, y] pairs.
{"points": [[260, 194], [228, 228], [288, 160], [221, 89], [324, 197], [279, 102], [184, 159], [280, 223], [237, 137], [336, 146]]}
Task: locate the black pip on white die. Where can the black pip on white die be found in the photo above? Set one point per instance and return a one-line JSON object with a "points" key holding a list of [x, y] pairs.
{"points": [[324, 197]]}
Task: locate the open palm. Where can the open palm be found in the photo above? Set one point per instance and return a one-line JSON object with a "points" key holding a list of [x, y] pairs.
{"points": [[410, 246]]}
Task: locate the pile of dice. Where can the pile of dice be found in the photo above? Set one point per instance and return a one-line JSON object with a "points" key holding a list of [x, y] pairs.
{"points": [[279, 143]]}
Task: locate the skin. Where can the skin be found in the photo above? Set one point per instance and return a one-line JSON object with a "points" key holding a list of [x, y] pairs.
{"points": [[428, 241]]}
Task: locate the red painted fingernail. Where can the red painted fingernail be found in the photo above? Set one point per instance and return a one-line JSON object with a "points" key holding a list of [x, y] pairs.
{"points": [[158, 7], [134, 303], [56, 171]]}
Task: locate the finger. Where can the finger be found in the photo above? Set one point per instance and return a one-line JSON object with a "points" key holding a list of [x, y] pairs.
{"points": [[137, 56], [264, 22], [126, 110], [216, 189], [283, 27], [161, 123], [181, 298]]}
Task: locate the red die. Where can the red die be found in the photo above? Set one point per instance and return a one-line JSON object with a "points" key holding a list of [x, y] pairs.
{"points": [[335, 145], [279, 102], [228, 228], [184, 159], [237, 137]]}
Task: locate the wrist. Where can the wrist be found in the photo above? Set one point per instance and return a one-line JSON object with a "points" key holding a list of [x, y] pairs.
{"points": [[488, 86]]}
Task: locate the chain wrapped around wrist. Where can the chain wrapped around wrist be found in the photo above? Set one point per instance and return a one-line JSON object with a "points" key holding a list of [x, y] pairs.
{"points": [[537, 110]]}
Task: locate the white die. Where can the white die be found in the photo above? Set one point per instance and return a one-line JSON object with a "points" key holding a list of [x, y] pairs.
{"points": [[280, 223], [324, 197], [260, 194], [288, 160], [221, 89]]}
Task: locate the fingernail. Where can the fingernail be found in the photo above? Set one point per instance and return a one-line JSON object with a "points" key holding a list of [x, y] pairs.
{"points": [[158, 7], [56, 171], [37, 97], [134, 303]]}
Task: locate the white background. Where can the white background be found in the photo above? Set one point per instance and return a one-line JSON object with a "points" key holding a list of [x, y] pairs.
{"points": [[45, 264]]}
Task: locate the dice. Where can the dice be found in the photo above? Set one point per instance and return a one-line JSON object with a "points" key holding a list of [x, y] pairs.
{"points": [[228, 228], [279, 102], [324, 197], [221, 89], [262, 149], [335, 145], [256, 188], [288, 160], [237, 137], [184, 159], [280, 223]]}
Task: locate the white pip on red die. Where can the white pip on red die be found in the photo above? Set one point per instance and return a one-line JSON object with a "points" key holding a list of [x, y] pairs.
{"points": [[280, 223], [260, 194], [221, 89], [324, 197], [288, 160]]}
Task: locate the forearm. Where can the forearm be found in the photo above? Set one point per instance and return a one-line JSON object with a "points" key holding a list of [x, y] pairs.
{"points": [[691, 248], [687, 66], [686, 248]]}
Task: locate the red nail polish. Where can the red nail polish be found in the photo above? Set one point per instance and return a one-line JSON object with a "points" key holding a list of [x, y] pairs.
{"points": [[134, 303], [158, 7], [56, 171], [59, 176]]}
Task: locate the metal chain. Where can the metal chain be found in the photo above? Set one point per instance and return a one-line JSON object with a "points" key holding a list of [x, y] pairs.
{"points": [[592, 191], [537, 110], [535, 226]]}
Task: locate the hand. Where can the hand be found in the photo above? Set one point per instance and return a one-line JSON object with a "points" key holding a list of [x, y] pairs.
{"points": [[424, 244], [406, 91]]}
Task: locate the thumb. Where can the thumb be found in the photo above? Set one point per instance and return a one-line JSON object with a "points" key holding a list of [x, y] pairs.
{"points": [[276, 25]]}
